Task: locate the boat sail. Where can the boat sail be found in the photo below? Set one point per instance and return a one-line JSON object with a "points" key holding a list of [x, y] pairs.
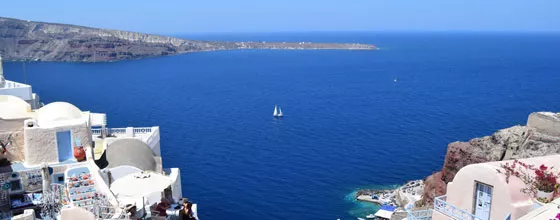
{"points": [[280, 114], [277, 112]]}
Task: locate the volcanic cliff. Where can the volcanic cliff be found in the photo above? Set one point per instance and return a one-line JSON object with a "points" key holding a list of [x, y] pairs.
{"points": [[541, 136], [30, 40]]}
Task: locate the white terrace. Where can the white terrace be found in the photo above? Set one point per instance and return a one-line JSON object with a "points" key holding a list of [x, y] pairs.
{"points": [[19, 90], [105, 136]]}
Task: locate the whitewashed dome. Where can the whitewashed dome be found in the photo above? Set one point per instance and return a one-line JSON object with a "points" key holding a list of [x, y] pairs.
{"points": [[130, 152], [58, 111], [13, 107]]}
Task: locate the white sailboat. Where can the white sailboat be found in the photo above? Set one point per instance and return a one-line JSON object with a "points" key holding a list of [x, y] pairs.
{"points": [[280, 114], [277, 112]]}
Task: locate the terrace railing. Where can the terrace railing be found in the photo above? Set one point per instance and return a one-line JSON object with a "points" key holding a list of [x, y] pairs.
{"points": [[108, 131], [419, 215], [441, 205], [11, 84], [20, 90], [143, 130], [150, 135]]}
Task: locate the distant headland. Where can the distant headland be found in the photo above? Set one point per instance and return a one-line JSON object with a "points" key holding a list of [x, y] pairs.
{"points": [[39, 41]]}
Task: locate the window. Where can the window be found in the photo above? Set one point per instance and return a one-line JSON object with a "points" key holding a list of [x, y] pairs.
{"points": [[15, 185], [58, 178]]}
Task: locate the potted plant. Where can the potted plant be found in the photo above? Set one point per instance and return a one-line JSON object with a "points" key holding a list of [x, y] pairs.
{"points": [[539, 181], [546, 183]]}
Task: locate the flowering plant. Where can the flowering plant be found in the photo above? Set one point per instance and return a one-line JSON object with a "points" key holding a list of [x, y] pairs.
{"points": [[545, 179], [522, 171]]}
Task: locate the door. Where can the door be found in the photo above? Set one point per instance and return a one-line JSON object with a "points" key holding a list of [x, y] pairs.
{"points": [[64, 143], [483, 201]]}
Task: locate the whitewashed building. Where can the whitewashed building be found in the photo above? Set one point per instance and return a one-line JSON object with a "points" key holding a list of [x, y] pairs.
{"points": [[20, 90], [41, 153], [481, 192]]}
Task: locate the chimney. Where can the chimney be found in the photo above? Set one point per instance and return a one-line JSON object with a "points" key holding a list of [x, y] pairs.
{"points": [[2, 81]]}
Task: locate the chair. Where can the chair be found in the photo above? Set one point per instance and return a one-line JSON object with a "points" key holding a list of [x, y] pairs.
{"points": [[154, 214]]}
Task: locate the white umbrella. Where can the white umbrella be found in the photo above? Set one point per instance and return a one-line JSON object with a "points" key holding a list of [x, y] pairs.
{"points": [[140, 184]]}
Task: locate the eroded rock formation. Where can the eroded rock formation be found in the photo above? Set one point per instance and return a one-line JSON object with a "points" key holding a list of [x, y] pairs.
{"points": [[541, 136]]}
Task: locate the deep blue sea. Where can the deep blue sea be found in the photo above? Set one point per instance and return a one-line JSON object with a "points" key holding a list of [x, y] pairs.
{"points": [[347, 124]]}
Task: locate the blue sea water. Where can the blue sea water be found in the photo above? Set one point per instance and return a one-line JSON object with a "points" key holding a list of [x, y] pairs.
{"points": [[348, 125]]}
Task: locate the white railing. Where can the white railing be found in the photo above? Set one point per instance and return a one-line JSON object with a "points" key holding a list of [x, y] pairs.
{"points": [[108, 131], [143, 130], [117, 130], [148, 135], [20, 90], [419, 215], [452, 211], [11, 84], [96, 131]]}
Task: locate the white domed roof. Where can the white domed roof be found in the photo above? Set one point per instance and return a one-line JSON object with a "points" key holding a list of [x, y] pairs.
{"points": [[130, 152], [13, 107], [58, 111]]}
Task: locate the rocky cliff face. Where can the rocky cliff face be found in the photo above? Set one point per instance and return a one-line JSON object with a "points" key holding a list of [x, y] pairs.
{"points": [[29, 40], [540, 137]]}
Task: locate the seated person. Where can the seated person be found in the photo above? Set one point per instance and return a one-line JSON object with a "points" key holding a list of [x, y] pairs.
{"points": [[188, 212], [162, 207], [131, 210]]}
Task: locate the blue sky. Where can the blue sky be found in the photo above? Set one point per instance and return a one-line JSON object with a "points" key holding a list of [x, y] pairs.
{"points": [[188, 16]]}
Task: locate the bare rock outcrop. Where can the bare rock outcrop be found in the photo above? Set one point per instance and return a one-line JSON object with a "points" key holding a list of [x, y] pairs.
{"points": [[540, 137]]}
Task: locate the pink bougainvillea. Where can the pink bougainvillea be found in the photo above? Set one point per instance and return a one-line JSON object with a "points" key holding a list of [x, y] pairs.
{"points": [[544, 178]]}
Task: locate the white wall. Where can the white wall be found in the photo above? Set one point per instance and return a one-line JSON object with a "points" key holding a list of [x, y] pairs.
{"points": [[176, 185], [23, 92], [461, 191], [41, 144], [507, 198], [76, 213]]}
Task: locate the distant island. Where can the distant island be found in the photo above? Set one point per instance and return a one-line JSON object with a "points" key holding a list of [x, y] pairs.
{"points": [[39, 41]]}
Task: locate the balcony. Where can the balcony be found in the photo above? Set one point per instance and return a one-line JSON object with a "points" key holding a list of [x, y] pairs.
{"points": [[16, 89], [11, 84], [104, 137], [453, 212], [419, 215]]}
